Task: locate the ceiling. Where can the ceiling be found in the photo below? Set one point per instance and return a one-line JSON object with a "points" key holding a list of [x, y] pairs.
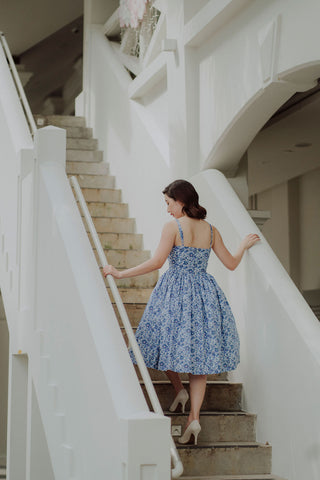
{"points": [[26, 22]]}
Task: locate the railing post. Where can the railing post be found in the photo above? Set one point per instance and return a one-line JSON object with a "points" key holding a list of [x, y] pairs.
{"points": [[50, 148]]}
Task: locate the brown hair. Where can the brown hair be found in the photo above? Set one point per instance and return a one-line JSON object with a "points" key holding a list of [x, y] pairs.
{"points": [[184, 192]]}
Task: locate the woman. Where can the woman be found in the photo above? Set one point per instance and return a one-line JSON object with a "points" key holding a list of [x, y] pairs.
{"points": [[188, 326]]}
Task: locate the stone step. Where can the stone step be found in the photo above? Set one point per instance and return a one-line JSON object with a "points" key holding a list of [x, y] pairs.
{"points": [[60, 120], [108, 209], [101, 194], [125, 258], [84, 156], [219, 397], [268, 476], [120, 241], [96, 181], [147, 281], [143, 282], [226, 458], [78, 132], [87, 168], [114, 225], [82, 143], [132, 295], [221, 426]]}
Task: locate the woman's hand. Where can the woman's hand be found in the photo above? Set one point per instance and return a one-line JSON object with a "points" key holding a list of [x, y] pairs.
{"points": [[250, 240], [110, 270]]}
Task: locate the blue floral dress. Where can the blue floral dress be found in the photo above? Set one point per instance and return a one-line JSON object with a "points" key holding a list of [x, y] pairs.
{"points": [[188, 325]]}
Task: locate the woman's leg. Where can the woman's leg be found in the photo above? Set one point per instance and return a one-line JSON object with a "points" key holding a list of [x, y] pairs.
{"points": [[197, 392], [175, 379]]}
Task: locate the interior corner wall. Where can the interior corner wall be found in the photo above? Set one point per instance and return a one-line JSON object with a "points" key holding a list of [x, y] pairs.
{"points": [[310, 230], [4, 355], [276, 229]]}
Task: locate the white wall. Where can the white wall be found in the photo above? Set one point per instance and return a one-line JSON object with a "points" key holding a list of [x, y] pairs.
{"points": [[4, 356], [310, 230], [276, 229], [280, 338]]}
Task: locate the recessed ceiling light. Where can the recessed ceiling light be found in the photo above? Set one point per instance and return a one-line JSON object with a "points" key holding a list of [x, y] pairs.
{"points": [[303, 145]]}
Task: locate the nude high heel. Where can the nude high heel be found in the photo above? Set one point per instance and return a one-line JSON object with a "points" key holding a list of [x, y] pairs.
{"points": [[192, 430], [182, 397]]}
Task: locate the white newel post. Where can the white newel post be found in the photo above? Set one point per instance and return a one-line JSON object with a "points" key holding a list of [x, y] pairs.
{"points": [[146, 447]]}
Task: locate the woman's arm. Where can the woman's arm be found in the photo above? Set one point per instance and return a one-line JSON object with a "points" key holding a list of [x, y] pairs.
{"points": [[167, 240], [228, 260]]}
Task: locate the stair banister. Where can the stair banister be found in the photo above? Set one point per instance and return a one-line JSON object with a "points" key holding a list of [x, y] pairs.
{"points": [[18, 85], [177, 469]]}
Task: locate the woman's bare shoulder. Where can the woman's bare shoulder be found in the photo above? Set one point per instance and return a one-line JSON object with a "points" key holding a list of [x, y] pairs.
{"points": [[170, 226]]}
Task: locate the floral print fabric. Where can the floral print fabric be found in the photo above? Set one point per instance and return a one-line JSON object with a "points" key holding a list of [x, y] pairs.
{"points": [[188, 325]]}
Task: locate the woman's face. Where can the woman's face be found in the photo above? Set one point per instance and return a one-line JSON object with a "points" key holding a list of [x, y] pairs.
{"points": [[174, 207]]}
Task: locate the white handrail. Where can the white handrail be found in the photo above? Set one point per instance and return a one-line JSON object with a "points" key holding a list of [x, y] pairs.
{"points": [[18, 84], [177, 464]]}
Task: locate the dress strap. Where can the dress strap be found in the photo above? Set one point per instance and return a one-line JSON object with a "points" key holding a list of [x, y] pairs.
{"points": [[211, 235], [181, 232]]}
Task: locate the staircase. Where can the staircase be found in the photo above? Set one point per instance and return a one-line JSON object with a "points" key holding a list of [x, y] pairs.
{"points": [[227, 448]]}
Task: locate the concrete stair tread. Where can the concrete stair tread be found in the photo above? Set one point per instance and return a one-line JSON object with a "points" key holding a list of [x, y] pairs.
{"points": [[89, 168], [224, 445], [121, 250], [82, 143], [83, 152], [76, 155], [114, 224], [121, 241], [125, 258], [103, 194], [108, 209], [209, 382], [217, 427], [267, 476], [220, 396], [95, 181], [105, 210], [225, 458], [134, 295], [211, 413], [101, 202], [78, 132], [141, 282], [62, 120]]}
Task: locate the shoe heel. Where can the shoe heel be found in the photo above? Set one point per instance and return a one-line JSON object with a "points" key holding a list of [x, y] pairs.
{"points": [[192, 430], [181, 398]]}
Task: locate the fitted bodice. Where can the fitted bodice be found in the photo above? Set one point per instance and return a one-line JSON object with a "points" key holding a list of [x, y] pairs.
{"points": [[190, 259]]}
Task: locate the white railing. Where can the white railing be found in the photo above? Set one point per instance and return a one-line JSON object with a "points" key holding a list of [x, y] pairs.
{"points": [[18, 85], [177, 469]]}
